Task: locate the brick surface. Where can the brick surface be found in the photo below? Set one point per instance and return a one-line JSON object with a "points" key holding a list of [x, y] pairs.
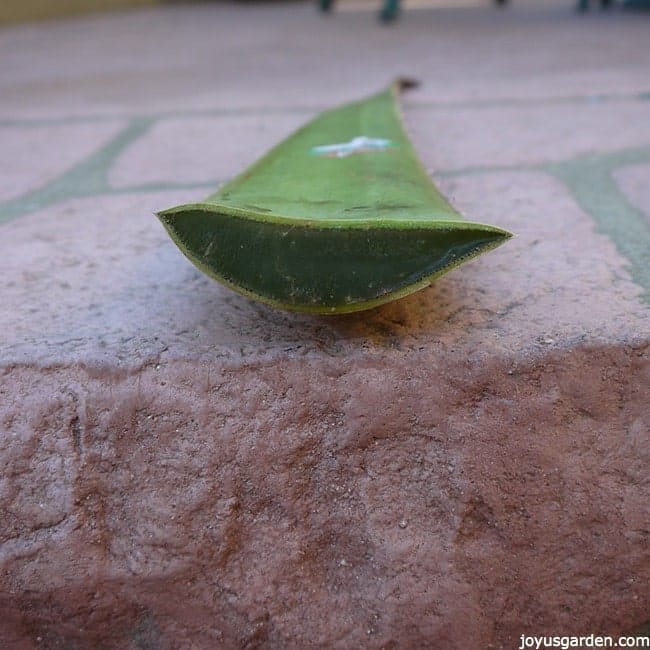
{"points": [[461, 138], [35, 155], [202, 149], [185, 468]]}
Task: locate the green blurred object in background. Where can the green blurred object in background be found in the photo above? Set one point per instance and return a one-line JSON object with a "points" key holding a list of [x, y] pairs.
{"points": [[389, 11], [25, 10]]}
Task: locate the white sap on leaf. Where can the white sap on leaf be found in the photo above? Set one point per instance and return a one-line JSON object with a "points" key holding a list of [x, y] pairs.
{"points": [[360, 144]]}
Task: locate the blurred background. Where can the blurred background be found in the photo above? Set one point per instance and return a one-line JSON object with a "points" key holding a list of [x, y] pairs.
{"points": [[20, 10], [195, 54]]}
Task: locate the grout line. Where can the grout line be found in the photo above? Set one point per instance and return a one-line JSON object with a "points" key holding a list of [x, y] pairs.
{"points": [[477, 104], [590, 181]]}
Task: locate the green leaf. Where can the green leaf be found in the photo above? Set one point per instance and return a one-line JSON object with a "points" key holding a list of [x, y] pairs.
{"points": [[339, 217]]}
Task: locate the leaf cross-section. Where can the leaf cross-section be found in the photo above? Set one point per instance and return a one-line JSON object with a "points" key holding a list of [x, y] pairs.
{"points": [[339, 217]]}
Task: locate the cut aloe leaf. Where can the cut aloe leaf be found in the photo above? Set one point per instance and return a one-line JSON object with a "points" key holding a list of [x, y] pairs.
{"points": [[339, 217]]}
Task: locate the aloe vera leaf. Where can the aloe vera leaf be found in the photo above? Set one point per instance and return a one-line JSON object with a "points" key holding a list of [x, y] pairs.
{"points": [[339, 217]]}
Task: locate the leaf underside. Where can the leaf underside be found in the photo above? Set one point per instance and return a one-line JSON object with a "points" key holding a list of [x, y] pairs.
{"points": [[339, 217]]}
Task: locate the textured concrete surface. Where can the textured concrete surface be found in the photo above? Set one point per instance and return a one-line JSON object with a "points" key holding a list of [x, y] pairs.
{"points": [[185, 468]]}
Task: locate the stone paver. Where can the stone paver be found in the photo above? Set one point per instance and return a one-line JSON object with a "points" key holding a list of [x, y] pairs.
{"points": [[510, 136], [201, 149], [187, 468], [35, 155]]}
